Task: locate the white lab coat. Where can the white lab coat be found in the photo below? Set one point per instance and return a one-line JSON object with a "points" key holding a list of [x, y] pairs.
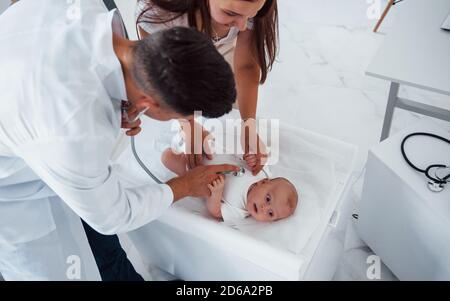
{"points": [[60, 91]]}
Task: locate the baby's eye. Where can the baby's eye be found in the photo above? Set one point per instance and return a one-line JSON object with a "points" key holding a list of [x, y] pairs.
{"points": [[268, 198]]}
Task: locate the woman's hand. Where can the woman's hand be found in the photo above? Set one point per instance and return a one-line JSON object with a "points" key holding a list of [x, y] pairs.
{"points": [[196, 150], [255, 151]]}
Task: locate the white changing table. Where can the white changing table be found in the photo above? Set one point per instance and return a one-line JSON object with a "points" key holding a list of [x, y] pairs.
{"points": [[188, 245]]}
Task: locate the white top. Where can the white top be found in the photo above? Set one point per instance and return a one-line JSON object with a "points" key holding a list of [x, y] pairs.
{"points": [[225, 46], [234, 198], [61, 85], [416, 51]]}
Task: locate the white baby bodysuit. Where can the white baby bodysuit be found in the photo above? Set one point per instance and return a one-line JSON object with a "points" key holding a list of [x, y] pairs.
{"points": [[234, 199]]}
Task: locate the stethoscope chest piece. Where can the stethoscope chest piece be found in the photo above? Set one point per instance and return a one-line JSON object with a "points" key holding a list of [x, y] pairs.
{"points": [[240, 173], [440, 177], [435, 187]]}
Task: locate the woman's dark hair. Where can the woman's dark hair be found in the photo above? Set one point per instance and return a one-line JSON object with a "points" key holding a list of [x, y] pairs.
{"points": [[182, 67], [265, 31]]}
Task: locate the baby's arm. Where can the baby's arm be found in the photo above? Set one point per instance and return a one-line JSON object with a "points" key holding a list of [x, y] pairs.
{"points": [[214, 202]]}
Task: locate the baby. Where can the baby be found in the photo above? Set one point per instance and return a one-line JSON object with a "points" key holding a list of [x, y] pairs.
{"points": [[266, 200]]}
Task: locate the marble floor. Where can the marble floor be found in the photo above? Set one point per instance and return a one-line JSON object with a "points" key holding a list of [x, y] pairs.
{"points": [[319, 84]]}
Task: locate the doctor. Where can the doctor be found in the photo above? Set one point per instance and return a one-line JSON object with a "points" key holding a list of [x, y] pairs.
{"points": [[65, 69]]}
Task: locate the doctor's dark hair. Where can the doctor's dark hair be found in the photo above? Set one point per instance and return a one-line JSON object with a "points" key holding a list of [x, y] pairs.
{"points": [[184, 69]]}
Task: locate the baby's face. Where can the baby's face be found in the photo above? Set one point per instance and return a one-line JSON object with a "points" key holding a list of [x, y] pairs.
{"points": [[271, 200]]}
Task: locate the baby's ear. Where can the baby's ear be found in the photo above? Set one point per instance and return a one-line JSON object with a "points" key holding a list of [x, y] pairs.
{"points": [[293, 202]]}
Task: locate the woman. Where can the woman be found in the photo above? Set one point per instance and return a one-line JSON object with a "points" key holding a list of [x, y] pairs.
{"points": [[245, 32]]}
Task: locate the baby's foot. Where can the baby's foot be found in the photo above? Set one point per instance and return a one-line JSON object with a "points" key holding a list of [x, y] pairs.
{"points": [[174, 162]]}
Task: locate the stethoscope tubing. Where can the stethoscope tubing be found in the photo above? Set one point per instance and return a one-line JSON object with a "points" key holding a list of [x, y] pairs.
{"points": [[428, 170]]}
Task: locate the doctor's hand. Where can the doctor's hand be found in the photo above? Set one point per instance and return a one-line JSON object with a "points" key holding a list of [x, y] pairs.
{"points": [[134, 128], [196, 181], [195, 150]]}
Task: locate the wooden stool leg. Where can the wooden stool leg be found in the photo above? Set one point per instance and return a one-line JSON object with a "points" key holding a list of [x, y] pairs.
{"points": [[385, 12]]}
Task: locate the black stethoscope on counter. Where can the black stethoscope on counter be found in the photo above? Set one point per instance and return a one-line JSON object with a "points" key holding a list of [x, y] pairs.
{"points": [[437, 174]]}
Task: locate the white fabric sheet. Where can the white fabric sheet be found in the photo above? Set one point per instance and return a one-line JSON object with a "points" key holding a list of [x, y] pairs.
{"points": [[308, 166]]}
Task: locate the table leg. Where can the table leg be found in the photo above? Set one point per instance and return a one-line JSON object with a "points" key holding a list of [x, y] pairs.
{"points": [[392, 101]]}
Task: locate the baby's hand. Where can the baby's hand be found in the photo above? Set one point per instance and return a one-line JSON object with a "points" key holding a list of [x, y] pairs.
{"points": [[214, 201], [217, 186], [251, 160]]}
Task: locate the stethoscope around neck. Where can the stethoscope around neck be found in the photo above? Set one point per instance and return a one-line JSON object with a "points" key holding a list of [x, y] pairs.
{"points": [[438, 175]]}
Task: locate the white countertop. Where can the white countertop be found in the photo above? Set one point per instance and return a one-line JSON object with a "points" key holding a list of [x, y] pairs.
{"points": [[416, 52]]}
